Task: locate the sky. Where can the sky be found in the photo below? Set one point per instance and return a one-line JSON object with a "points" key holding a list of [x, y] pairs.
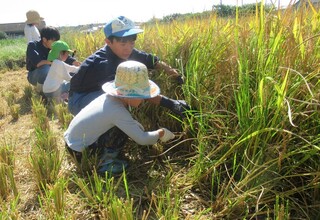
{"points": [[70, 12]]}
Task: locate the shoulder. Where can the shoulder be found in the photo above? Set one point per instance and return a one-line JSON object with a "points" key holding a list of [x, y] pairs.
{"points": [[140, 54], [32, 44], [56, 65], [101, 53], [116, 106]]}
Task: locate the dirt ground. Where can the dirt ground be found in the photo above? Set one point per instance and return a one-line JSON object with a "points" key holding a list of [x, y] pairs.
{"points": [[18, 133]]}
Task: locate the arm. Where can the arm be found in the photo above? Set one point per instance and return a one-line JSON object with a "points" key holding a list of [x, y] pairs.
{"points": [[122, 118], [70, 69], [36, 55], [154, 62], [168, 69], [43, 62], [136, 132], [76, 63], [72, 61]]}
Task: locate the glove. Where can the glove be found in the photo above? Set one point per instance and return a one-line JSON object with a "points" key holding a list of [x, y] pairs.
{"points": [[180, 80], [167, 136]]}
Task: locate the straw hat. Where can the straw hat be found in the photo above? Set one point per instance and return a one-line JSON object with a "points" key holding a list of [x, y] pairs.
{"points": [[33, 17], [131, 81]]}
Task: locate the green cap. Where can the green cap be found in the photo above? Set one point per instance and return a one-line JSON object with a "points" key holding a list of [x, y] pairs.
{"points": [[56, 48]]}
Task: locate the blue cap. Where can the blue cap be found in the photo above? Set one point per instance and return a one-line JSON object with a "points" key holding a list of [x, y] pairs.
{"points": [[121, 27]]}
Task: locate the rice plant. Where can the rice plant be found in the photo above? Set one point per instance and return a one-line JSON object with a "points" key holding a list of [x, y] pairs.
{"points": [[14, 111], [8, 187], [45, 139], [63, 115], [45, 166], [7, 154], [40, 114], [10, 98], [14, 108], [53, 200], [7, 181], [166, 205], [10, 210], [100, 194], [45, 158], [28, 93]]}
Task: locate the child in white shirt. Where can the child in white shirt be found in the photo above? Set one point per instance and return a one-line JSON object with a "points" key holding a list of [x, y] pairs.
{"points": [[31, 31], [104, 125], [57, 83]]}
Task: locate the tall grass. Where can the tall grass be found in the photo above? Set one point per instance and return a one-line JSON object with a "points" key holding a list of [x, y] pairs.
{"points": [[254, 88]]}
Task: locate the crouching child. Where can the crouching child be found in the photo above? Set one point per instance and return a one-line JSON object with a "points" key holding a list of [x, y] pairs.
{"points": [[57, 83], [101, 129]]}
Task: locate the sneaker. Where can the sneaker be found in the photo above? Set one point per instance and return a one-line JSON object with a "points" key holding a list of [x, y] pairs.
{"points": [[112, 166], [180, 108], [109, 153]]}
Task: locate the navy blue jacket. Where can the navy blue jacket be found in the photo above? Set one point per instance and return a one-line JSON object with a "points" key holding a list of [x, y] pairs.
{"points": [[101, 67], [37, 52]]}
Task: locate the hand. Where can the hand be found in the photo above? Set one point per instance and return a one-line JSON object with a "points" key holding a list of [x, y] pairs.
{"points": [[167, 136], [76, 63]]}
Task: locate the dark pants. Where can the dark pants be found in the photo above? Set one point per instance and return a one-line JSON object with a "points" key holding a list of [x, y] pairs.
{"points": [[113, 138], [38, 75]]}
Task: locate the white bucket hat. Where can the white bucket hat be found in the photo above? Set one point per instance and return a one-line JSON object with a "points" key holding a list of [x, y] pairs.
{"points": [[132, 81]]}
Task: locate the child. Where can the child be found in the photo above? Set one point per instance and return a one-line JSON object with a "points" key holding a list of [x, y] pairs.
{"points": [[100, 67], [103, 126], [31, 31], [37, 62], [56, 85]]}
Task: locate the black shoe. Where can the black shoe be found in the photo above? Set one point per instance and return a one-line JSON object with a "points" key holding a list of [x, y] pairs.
{"points": [[181, 108]]}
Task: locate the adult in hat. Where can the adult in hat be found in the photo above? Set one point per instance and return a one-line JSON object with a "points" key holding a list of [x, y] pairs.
{"points": [[31, 31], [37, 61], [102, 127], [57, 83], [100, 67]]}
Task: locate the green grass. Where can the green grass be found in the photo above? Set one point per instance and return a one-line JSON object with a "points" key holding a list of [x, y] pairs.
{"points": [[12, 53]]}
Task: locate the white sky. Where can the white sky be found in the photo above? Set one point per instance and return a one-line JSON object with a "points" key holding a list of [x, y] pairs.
{"points": [[70, 12]]}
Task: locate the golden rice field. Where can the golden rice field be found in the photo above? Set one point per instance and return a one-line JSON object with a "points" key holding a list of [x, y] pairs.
{"points": [[248, 150]]}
